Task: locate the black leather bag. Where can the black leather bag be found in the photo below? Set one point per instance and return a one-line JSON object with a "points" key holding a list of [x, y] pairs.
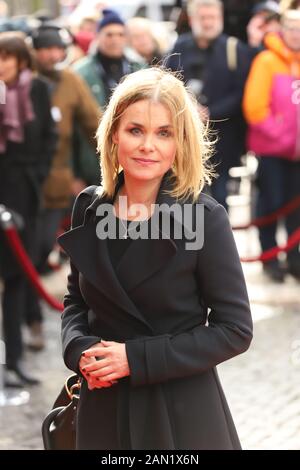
{"points": [[59, 426]]}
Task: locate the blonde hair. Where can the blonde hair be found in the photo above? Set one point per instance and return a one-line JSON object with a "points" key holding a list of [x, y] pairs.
{"points": [[147, 26], [293, 15], [190, 170], [289, 5]]}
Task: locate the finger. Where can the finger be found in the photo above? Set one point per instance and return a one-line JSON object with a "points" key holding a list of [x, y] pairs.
{"points": [[96, 365], [107, 384], [86, 376], [86, 361], [91, 385], [92, 382], [102, 372], [108, 378], [100, 385], [93, 352]]}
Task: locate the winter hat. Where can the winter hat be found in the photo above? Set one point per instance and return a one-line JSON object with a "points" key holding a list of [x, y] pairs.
{"points": [[109, 17], [269, 6], [50, 36]]}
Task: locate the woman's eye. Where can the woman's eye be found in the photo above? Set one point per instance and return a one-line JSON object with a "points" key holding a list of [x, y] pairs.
{"points": [[135, 131], [165, 133]]}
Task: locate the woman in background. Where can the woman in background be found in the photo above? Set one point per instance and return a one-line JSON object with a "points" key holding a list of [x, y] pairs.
{"points": [[27, 143], [272, 109]]}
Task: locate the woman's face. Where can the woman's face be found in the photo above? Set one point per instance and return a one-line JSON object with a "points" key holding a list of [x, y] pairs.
{"points": [[141, 41], [9, 68], [145, 140]]}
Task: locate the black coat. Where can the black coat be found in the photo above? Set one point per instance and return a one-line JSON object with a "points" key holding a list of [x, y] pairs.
{"points": [[23, 169], [222, 89], [157, 303]]}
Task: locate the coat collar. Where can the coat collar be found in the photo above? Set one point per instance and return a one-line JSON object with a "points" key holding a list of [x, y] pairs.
{"points": [[142, 259], [163, 199]]}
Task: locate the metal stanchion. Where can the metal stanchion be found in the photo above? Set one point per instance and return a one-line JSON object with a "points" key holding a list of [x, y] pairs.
{"points": [[8, 397]]}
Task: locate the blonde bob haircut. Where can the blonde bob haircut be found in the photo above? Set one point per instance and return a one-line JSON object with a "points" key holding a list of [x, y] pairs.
{"points": [[190, 170]]}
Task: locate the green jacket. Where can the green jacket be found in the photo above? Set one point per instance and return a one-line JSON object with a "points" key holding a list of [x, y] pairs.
{"points": [[86, 163]]}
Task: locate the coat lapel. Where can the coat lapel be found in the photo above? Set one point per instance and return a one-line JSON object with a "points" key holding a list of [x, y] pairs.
{"points": [[141, 260], [91, 258]]}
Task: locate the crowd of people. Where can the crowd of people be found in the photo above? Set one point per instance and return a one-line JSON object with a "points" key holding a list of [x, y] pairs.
{"points": [[58, 84]]}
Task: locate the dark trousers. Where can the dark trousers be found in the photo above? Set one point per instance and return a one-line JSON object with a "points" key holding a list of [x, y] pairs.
{"points": [[13, 302], [278, 183], [47, 226], [33, 311], [219, 189], [17, 293], [20, 302]]}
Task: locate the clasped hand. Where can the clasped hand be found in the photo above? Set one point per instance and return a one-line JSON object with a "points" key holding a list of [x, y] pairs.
{"points": [[104, 363]]}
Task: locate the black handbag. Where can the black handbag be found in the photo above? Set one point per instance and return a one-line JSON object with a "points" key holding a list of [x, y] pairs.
{"points": [[59, 426]]}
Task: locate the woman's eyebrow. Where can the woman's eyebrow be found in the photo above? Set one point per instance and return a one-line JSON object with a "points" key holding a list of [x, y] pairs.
{"points": [[165, 126]]}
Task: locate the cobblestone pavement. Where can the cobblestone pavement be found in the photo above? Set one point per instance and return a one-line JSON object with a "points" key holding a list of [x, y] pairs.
{"points": [[262, 386]]}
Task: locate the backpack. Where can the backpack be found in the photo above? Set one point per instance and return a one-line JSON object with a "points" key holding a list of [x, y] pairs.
{"points": [[231, 52]]}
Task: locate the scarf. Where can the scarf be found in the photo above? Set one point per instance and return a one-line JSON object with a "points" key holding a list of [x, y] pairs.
{"points": [[16, 111]]}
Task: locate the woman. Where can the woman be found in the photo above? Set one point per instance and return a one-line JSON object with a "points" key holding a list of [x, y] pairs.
{"points": [[141, 304], [27, 142], [272, 110], [142, 40]]}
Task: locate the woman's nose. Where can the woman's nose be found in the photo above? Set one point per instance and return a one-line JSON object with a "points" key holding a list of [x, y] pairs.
{"points": [[148, 143]]}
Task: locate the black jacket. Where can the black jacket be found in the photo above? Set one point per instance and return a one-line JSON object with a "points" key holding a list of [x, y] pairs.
{"points": [[29, 161], [222, 90], [157, 303], [24, 167]]}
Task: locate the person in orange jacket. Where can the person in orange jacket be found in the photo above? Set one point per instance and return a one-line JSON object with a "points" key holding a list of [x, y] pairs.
{"points": [[272, 109]]}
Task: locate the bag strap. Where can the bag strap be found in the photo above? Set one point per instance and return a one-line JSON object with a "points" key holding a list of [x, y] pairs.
{"points": [[231, 50]]}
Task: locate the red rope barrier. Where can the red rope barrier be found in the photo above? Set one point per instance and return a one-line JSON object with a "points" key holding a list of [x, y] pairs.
{"points": [[272, 253], [27, 266], [271, 218]]}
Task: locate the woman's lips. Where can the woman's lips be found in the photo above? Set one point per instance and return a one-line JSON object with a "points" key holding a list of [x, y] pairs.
{"points": [[145, 161]]}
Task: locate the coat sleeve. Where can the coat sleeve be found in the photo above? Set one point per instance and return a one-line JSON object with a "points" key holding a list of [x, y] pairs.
{"points": [[228, 331], [74, 327], [88, 111], [49, 136], [257, 99]]}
